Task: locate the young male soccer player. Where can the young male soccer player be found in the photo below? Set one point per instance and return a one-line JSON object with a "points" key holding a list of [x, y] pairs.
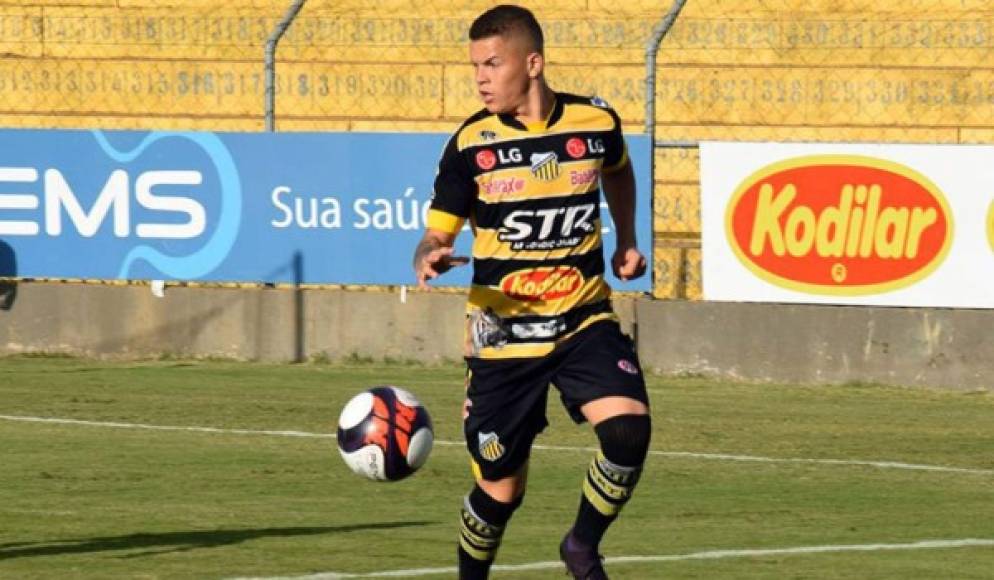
{"points": [[527, 172]]}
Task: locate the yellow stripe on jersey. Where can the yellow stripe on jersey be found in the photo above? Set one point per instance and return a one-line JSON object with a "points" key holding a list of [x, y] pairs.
{"points": [[519, 294], [584, 117], [527, 350], [444, 221], [518, 183], [488, 245]]}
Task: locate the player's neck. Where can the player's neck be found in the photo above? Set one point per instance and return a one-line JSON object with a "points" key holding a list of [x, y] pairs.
{"points": [[537, 106]]}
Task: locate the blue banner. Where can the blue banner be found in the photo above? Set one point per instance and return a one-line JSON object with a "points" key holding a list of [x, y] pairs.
{"points": [[309, 208]]}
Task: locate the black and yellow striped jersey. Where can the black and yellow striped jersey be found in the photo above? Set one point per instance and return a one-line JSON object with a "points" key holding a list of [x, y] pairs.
{"points": [[532, 196]]}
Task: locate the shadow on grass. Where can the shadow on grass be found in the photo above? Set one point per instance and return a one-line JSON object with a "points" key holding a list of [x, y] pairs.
{"points": [[164, 543]]}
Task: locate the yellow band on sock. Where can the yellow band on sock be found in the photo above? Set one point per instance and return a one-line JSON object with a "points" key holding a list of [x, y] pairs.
{"points": [[478, 538], [607, 486]]}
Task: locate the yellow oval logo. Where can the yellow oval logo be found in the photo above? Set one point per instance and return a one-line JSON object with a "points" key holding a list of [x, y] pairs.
{"points": [[839, 225]]}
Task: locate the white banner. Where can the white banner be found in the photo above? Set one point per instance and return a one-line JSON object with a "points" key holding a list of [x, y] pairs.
{"points": [[886, 225]]}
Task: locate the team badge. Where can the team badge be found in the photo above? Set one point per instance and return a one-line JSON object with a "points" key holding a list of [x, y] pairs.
{"points": [[491, 448], [488, 135], [545, 166]]}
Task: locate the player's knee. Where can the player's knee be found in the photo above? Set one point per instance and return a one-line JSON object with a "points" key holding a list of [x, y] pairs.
{"points": [[506, 489], [625, 439], [492, 510]]}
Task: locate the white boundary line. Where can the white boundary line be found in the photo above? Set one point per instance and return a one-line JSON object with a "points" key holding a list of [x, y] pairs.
{"points": [[683, 454], [707, 555]]}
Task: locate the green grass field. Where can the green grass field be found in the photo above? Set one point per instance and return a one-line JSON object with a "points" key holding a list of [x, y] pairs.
{"points": [[98, 501]]}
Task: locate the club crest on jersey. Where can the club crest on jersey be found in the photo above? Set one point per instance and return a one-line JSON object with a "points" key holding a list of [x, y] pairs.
{"points": [[488, 135], [545, 166], [491, 448]]}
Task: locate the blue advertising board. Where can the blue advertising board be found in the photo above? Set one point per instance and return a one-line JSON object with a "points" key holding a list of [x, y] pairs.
{"points": [[310, 208]]}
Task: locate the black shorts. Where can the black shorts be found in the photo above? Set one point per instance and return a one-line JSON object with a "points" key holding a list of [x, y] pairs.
{"points": [[508, 397]]}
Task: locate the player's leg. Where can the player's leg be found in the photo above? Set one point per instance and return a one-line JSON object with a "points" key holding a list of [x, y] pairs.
{"points": [[623, 427], [485, 513], [505, 410], [601, 382]]}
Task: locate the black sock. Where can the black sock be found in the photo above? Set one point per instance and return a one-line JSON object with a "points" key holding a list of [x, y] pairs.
{"points": [[483, 523], [612, 475]]}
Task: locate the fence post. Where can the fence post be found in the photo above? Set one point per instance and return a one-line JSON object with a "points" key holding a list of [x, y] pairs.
{"points": [[651, 49], [270, 61]]}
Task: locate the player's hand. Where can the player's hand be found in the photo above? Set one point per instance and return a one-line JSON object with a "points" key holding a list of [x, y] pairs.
{"points": [[628, 263], [435, 263]]}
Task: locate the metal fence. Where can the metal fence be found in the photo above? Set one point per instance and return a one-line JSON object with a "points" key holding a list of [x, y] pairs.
{"points": [[816, 71], [752, 70]]}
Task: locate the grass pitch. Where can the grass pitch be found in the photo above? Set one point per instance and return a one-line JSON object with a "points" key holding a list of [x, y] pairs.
{"points": [[88, 501]]}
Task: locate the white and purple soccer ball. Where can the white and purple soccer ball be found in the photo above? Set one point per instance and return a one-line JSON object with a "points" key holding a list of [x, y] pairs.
{"points": [[385, 434]]}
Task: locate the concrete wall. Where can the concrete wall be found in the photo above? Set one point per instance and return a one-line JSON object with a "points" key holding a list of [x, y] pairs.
{"points": [[241, 323], [808, 344], [819, 344]]}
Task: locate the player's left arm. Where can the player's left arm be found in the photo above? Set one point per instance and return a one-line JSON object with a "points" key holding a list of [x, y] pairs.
{"points": [[618, 185], [627, 262]]}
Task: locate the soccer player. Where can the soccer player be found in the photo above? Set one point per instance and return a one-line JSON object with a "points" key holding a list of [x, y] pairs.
{"points": [[527, 172]]}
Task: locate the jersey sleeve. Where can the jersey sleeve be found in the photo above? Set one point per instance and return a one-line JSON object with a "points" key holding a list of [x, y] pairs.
{"points": [[454, 191], [616, 151]]}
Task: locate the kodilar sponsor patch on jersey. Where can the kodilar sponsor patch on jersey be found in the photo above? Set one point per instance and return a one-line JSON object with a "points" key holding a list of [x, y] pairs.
{"points": [[546, 283]]}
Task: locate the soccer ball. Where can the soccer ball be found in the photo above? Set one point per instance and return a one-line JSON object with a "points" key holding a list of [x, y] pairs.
{"points": [[384, 434]]}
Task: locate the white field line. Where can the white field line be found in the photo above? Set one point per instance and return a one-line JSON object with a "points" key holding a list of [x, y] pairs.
{"points": [[619, 560], [680, 454]]}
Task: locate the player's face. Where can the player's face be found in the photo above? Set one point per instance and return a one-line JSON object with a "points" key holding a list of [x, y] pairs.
{"points": [[501, 72]]}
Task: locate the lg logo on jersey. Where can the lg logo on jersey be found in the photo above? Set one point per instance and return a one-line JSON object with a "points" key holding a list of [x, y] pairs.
{"points": [[546, 229], [577, 148], [487, 160], [512, 155]]}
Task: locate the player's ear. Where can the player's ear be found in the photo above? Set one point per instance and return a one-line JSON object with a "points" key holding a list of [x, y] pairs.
{"points": [[536, 65]]}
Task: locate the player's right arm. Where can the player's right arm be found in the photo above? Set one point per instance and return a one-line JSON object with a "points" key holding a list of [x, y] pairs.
{"points": [[433, 256], [451, 205]]}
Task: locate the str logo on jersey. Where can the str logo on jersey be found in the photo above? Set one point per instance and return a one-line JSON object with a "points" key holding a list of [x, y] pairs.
{"points": [[545, 166], [547, 229], [491, 448]]}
